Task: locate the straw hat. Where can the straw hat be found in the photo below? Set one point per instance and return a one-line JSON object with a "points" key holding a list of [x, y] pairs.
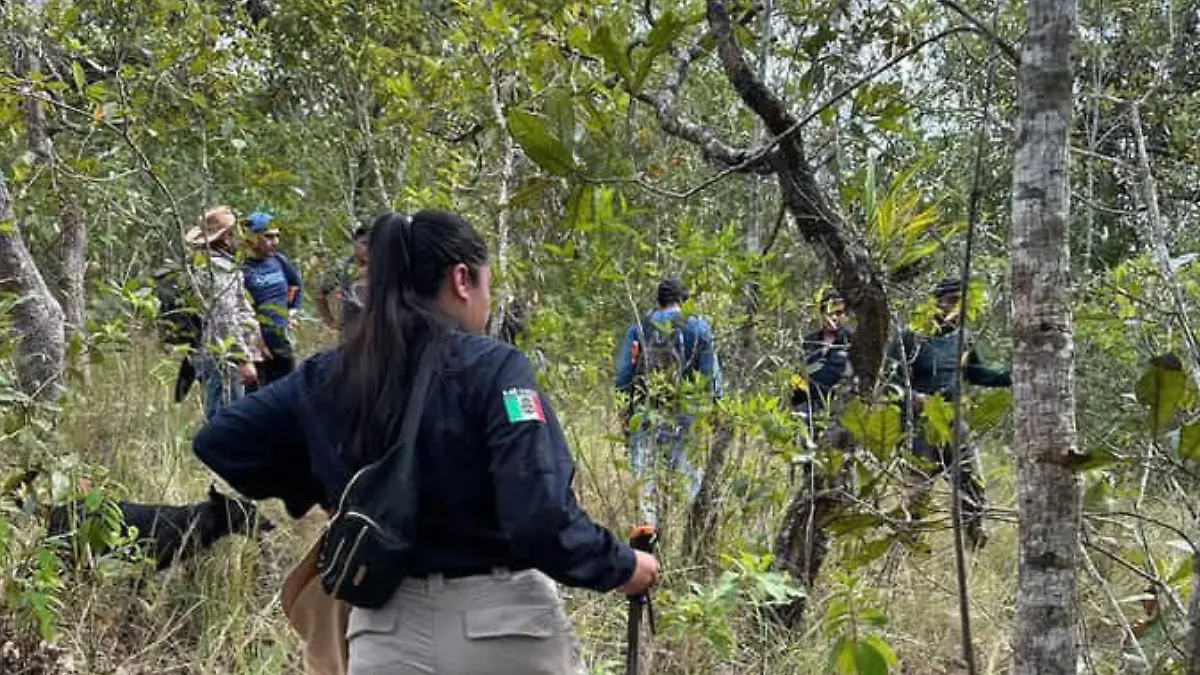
{"points": [[217, 222]]}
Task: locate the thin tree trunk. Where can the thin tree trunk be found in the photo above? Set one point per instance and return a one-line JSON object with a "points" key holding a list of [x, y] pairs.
{"points": [[73, 271], [1046, 635], [1193, 667], [508, 162], [1154, 237], [37, 318]]}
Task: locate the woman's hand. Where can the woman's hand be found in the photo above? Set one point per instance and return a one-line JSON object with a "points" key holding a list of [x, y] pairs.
{"points": [[645, 575]]}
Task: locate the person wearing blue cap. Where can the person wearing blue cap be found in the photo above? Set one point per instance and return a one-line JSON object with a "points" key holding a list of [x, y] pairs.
{"points": [[274, 285]]}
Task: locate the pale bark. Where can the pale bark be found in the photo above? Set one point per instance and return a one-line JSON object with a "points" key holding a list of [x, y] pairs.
{"points": [[503, 201], [1046, 634], [73, 259], [1154, 238], [37, 318], [1193, 640]]}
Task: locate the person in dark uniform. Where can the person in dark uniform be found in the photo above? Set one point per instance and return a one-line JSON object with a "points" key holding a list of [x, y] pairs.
{"points": [[821, 493], [924, 366], [826, 357], [497, 517]]}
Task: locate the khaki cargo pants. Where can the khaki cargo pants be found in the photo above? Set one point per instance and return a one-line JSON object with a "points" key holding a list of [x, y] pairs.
{"points": [[498, 624]]}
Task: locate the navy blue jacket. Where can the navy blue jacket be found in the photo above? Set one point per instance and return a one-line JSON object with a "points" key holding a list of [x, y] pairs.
{"points": [[494, 466], [268, 281], [826, 364], [931, 360]]}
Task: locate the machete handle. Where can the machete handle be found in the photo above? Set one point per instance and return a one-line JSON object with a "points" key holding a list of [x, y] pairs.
{"points": [[643, 538]]}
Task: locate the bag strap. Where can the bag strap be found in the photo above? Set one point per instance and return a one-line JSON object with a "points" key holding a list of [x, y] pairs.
{"points": [[401, 454]]}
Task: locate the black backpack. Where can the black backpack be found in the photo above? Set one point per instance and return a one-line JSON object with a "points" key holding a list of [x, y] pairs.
{"points": [[179, 313], [661, 355]]}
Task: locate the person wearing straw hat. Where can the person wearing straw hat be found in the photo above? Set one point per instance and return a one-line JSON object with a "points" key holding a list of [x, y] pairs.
{"points": [[230, 337]]}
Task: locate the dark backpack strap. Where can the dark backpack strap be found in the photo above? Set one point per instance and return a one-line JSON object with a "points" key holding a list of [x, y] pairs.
{"points": [[402, 454]]}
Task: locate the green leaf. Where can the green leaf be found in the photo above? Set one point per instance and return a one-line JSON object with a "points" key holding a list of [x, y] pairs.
{"points": [[539, 144], [1164, 389], [841, 657], [939, 421], [77, 73], [1093, 459], [868, 660], [989, 408], [1189, 442], [561, 110], [604, 44], [877, 427], [884, 649], [669, 27], [1184, 572], [855, 522]]}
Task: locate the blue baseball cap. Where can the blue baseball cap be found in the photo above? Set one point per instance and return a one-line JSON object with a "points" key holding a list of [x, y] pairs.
{"points": [[260, 223]]}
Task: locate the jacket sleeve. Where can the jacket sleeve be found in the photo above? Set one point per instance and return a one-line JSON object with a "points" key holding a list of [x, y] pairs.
{"points": [[532, 472], [624, 365], [255, 444], [978, 373], [708, 362]]}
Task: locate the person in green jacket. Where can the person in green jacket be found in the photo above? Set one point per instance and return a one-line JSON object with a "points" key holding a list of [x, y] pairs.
{"points": [[924, 366]]}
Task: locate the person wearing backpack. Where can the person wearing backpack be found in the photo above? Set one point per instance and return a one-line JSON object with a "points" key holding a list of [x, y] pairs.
{"points": [[274, 286], [924, 366], [493, 519], [229, 336], [664, 356]]}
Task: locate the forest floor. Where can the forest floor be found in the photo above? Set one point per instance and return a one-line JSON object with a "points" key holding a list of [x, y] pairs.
{"points": [[220, 613]]}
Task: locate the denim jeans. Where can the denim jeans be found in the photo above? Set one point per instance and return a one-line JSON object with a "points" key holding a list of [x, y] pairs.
{"points": [[222, 384], [651, 444]]}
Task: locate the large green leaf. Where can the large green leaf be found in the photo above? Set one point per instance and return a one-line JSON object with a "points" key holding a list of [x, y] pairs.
{"points": [[1189, 442], [604, 44], [539, 144], [669, 27], [1164, 389], [877, 427], [868, 660], [989, 408], [938, 414]]}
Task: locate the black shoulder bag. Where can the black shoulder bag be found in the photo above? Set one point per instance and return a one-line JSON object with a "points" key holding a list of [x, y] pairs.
{"points": [[367, 549]]}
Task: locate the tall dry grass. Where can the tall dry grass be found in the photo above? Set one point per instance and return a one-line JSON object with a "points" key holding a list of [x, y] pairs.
{"points": [[220, 613]]}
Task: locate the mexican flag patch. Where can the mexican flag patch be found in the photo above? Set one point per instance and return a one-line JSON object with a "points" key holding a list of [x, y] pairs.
{"points": [[523, 405]]}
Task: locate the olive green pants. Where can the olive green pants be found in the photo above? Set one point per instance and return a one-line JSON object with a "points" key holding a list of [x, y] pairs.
{"points": [[502, 623]]}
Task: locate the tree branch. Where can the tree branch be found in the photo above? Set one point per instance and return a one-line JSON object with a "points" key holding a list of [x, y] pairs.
{"points": [[982, 28], [854, 272]]}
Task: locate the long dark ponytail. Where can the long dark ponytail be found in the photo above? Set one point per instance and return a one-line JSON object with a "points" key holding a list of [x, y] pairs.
{"points": [[409, 259]]}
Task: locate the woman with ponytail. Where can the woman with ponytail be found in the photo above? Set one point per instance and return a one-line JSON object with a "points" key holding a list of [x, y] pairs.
{"points": [[497, 519]]}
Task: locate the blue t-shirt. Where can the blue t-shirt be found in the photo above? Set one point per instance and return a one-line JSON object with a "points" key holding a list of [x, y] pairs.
{"points": [[268, 281]]}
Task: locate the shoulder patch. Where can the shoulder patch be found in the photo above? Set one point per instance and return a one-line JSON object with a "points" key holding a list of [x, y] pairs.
{"points": [[523, 405]]}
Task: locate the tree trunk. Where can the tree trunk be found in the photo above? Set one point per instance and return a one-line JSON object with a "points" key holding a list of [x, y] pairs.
{"points": [[73, 261], [508, 171], [37, 318], [1193, 648], [1154, 238], [1046, 636]]}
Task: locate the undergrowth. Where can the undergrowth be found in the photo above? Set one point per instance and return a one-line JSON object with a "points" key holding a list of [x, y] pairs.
{"points": [[123, 437]]}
